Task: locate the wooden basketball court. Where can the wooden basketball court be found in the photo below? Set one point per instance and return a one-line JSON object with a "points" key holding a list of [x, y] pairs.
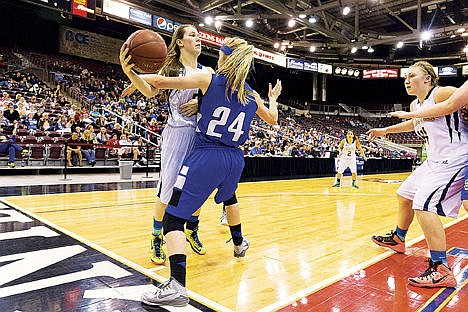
{"points": [[309, 242]]}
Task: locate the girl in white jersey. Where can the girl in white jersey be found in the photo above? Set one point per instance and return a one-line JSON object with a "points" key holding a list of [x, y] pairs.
{"points": [[347, 157], [434, 187], [178, 135]]}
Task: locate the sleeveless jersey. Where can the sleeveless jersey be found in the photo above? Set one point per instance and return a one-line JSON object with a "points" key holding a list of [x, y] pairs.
{"points": [[446, 137], [222, 121], [179, 97], [349, 150]]}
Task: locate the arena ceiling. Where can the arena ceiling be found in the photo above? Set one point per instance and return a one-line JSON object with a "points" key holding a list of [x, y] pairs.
{"points": [[379, 24]]}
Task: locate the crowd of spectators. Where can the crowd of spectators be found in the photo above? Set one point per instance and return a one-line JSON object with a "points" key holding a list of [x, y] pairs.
{"points": [[103, 117]]}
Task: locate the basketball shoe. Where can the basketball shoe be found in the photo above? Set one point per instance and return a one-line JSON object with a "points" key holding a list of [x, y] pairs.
{"points": [[192, 238], [171, 293], [337, 184], [239, 251], [437, 275], [354, 185], [391, 240], [157, 254], [11, 164]]}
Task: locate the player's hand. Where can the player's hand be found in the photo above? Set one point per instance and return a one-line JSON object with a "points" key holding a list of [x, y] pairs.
{"points": [[190, 108], [129, 90], [125, 60], [276, 91], [375, 133], [400, 114]]}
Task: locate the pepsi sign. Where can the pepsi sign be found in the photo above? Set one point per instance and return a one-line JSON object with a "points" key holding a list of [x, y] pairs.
{"points": [[165, 24]]}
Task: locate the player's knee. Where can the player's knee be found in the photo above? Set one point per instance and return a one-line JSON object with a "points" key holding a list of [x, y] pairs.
{"points": [[172, 223], [231, 201]]}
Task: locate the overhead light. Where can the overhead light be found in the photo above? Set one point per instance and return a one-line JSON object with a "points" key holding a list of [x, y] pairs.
{"points": [[452, 36], [201, 25], [312, 48], [249, 23], [460, 30], [353, 50], [276, 45], [426, 35], [464, 34], [312, 20], [364, 47], [291, 22], [399, 45], [208, 20], [290, 46], [370, 50], [302, 15], [346, 10], [218, 24]]}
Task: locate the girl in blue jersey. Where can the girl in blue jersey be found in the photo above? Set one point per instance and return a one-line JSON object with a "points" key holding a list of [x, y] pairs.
{"points": [[433, 189], [226, 109], [179, 134]]}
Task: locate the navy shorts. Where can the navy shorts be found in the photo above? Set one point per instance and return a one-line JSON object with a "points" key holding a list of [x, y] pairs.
{"points": [[205, 170]]}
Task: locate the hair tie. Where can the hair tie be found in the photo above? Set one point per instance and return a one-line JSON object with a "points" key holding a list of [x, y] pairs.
{"points": [[227, 50]]}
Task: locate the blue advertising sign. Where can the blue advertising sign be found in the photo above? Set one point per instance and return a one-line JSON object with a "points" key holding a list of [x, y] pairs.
{"points": [[450, 71], [165, 24], [310, 66], [140, 16], [296, 64]]}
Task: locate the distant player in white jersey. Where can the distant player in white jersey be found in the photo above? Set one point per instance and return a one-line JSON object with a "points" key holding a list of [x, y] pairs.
{"points": [[434, 188], [347, 157], [179, 133]]}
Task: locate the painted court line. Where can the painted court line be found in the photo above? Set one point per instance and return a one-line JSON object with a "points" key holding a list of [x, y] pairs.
{"points": [[214, 305]]}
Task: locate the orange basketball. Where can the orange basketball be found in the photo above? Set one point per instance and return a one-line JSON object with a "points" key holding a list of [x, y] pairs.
{"points": [[148, 51]]}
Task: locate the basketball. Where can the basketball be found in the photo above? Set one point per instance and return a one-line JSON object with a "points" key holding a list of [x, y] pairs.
{"points": [[148, 51]]}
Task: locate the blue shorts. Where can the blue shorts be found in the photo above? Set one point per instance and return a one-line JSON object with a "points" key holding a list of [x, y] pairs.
{"points": [[464, 192], [204, 170]]}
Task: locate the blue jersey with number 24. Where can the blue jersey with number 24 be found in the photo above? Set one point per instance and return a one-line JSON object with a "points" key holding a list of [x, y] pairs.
{"points": [[223, 121]]}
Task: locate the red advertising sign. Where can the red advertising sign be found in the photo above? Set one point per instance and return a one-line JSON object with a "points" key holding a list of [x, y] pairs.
{"points": [[210, 38], [380, 73], [84, 8]]}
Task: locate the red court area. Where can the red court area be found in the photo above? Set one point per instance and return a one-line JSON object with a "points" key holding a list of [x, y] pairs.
{"points": [[383, 286]]}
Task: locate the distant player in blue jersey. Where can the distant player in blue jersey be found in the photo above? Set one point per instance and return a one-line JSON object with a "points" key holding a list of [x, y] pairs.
{"points": [[434, 188], [226, 109]]}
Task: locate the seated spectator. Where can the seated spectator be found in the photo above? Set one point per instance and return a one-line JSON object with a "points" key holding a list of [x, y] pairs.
{"points": [[125, 146], [12, 114], [102, 137], [113, 146], [74, 149], [4, 122], [31, 122], [7, 147], [256, 150], [88, 150]]}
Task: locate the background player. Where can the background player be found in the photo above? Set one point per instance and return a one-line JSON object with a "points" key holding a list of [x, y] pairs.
{"points": [[347, 157]]}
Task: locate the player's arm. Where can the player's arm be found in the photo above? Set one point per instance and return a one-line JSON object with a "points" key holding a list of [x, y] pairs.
{"points": [[270, 115], [340, 147], [456, 101], [193, 81], [359, 146]]}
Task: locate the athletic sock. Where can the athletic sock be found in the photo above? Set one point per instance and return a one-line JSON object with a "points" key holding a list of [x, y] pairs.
{"points": [[439, 256], [236, 234], [157, 227], [178, 267], [192, 223], [401, 233]]}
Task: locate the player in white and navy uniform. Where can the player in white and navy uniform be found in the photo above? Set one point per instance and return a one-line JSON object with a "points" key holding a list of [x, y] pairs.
{"points": [[434, 188], [179, 134], [347, 157], [226, 109]]}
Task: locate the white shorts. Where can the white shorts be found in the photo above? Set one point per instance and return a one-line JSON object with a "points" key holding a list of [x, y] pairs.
{"points": [[436, 186], [345, 162], [176, 145]]}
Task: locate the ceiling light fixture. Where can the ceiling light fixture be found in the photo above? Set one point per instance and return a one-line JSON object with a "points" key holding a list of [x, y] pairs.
{"points": [[370, 50], [291, 22], [276, 45], [353, 50], [208, 20], [249, 23], [460, 30], [346, 10], [399, 45], [426, 35], [364, 47], [312, 20], [302, 15], [312, 48]]}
